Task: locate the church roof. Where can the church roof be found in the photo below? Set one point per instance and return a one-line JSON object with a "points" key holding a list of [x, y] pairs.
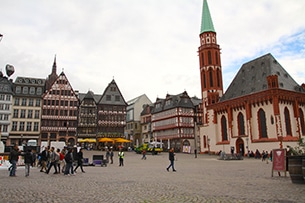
{"points": [[252, 78], [206, 19]]}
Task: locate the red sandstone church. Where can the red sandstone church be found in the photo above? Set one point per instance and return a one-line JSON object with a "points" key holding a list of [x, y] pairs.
{"points": [[263, 108]]}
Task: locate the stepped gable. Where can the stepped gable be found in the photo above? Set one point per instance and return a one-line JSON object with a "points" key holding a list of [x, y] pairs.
{"points": [[112, 95], [252, 78]]}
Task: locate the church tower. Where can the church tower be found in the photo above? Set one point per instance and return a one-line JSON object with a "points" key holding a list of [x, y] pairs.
{"points": [[209, 61]]}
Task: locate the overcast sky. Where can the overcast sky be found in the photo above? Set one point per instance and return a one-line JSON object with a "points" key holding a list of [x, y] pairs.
{"points": [[147, 46]]}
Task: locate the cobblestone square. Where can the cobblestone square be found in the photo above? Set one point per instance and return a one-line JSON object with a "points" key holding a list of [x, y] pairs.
{"points": [[202, 179]]}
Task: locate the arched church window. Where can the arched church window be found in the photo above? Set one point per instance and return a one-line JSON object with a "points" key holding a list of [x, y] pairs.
{"points": [[287, 122], [218, 77], [241, 124], [209, 58], [204, 80], [202, 59], [224, 131], [302, 121], [211, 77], [262, 127]]}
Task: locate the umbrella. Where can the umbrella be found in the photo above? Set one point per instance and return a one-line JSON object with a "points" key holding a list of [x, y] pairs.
{"points": [[122, 140], [92, 140], [105, 139]]}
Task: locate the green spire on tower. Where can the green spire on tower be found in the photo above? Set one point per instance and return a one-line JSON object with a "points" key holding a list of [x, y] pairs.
{"points": [[206, 20]]}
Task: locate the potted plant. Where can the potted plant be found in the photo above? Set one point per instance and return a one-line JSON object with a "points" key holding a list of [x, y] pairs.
{"points": [[296, 159]]}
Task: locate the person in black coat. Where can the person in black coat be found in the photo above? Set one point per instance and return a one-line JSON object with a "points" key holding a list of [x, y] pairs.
{"points": [[171, 157], [80, 160], [28, 161], [13, 159]]}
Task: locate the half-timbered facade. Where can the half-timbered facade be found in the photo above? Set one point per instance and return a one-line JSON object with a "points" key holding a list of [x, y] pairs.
{"points": [[60, 112], [111, 113]]}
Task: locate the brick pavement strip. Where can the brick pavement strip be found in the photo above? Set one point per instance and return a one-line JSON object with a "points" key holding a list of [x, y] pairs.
{"points": [[204, 179]]}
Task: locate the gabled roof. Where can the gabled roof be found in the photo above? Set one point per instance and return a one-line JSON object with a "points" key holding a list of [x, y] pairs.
{"points": [[6, 85], [112, 91], [252, 77], [89, 95], [206, 19], [173, 101]]}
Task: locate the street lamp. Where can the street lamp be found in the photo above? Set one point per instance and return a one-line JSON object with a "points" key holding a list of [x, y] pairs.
{"points": [[209, 146], [1, 36]]}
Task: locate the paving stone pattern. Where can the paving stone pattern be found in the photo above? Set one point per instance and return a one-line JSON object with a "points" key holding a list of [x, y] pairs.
{"points": [[204, 179]]}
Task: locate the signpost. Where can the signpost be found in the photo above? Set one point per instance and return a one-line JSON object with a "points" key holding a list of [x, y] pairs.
{"points": [[278, 161]]}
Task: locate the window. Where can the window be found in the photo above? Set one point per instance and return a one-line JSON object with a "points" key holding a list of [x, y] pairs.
{"points": [[37, 113], [21, 126], [108, 97], [29, 126], [31, 102], [18, 90], [23, 103], [117, 98], [14, 126], [4, 129], [22, 113], [15, 114], [209, 58], [2, 96], [39, 91], [37, 102], [262, 127], [224, 132], [30, 113], [32, 90], [211, 77], [287, 122], [241, 124], [302, 121], [16, 102], [5, 117], [36, 126], [25, 90]]}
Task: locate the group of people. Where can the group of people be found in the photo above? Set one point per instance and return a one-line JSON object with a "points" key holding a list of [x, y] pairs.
{"points": [[61, 160]]}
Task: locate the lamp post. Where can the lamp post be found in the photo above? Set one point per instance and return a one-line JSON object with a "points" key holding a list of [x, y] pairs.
{"points": [[209, 146]]}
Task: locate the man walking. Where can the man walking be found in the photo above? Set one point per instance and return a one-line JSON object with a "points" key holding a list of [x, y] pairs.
{"points": [[13, 159], [171, 157]]}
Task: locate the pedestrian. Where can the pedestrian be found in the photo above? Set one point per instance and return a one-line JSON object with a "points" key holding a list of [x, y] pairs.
{"points": [[44, 156], [28, 161], [64, 151], [69, 162], [107, 155], [54, 158], [171, 157], [144, 154], [80, 161], [13, 159], [195, 152], [111, 155], [121, 157], [59, 162]]}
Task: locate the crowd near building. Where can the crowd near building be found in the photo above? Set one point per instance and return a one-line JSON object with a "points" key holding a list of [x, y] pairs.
{"points": [[263, 108]]}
